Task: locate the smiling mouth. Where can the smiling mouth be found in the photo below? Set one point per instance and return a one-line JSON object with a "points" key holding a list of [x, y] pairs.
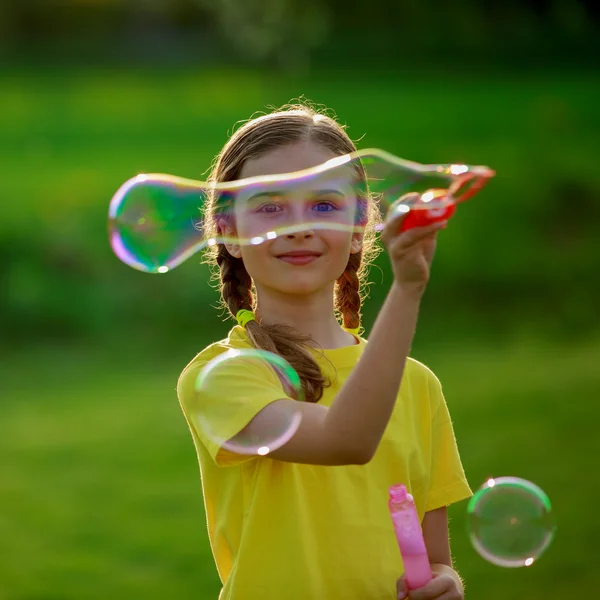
{"points": [[299, 258]]}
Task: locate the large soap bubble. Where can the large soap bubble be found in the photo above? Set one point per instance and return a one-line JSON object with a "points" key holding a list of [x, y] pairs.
{"points": [[156, 221]]}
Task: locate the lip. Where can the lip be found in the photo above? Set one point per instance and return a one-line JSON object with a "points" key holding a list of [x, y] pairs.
{"points": [[299, 257]]}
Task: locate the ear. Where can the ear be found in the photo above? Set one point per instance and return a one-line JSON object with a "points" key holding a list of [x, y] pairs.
{"points": [[227, 230], [356, 243]]}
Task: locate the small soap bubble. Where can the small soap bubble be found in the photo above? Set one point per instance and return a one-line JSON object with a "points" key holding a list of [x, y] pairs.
{"points": [[218, 418], [158, 221], [510, 522]]}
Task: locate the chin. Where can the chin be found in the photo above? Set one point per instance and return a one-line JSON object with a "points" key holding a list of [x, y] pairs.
{"points": [[299, 286]]}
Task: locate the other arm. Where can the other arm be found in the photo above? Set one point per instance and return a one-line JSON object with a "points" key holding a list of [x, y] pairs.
{"points": [[437, 542]]}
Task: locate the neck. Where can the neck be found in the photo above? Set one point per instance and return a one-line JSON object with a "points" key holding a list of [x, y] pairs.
{"points": [[311, 315]]}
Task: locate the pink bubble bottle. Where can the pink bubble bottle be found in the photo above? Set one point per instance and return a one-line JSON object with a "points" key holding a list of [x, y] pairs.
{"points": [[410, 537]]}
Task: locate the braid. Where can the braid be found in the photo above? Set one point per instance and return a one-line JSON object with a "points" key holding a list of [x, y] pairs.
{"points": [[347, 293], [236, 284]]}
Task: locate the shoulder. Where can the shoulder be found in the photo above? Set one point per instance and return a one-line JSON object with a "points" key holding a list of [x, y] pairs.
{"points": [[415, 372], [235, 340], [423, 382], [421, 372], [201, 359]]}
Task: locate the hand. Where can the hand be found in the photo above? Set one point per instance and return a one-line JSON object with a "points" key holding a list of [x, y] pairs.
{"points": [[411, 252], [441, 587]]}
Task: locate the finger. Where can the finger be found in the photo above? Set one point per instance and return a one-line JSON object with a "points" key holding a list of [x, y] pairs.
{"points": [[401, 588], [434, 589], [399, 210], [412, 237], [393, 221], [403, 204]]}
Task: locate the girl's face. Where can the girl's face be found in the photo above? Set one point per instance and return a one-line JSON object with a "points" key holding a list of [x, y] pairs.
{"points": [[304, 262]]}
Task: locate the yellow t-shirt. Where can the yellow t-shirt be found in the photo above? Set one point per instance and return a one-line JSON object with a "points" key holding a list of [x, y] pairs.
{"points": [[306, 532]]}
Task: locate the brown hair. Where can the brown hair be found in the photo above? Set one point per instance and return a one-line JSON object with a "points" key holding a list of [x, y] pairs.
{"points": [[287, 125]]}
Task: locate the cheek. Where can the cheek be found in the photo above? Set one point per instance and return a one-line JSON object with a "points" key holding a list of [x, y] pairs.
{"points": [[242, 229], [255, 259], [339, 249], [251, 225], [340, 244]]}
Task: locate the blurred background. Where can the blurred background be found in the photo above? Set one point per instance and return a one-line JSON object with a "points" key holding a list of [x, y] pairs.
{"points": [[100, 493]]}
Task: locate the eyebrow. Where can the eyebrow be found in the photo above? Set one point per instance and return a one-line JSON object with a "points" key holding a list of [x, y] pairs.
{"points": [[281, 193]]}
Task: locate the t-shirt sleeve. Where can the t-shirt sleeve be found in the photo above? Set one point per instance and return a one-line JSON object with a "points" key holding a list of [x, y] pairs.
{"points": [[226, 402], [448, 483]]}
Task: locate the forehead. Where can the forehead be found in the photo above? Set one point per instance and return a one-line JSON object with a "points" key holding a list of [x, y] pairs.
{"points": [[287, 159]]}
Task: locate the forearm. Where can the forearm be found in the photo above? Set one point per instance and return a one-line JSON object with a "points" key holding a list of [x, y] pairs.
{"points": [[362, 409], [440, 569]]}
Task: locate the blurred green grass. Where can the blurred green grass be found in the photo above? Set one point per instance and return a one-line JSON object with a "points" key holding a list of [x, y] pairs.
{"points": [[101, 493]]}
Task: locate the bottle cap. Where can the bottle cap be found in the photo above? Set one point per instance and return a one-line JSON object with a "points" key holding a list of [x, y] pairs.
{"points": [[398, 492]]}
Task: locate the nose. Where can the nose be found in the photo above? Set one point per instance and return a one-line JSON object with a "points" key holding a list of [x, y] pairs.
{"points": [[304, 234], [297, 218]]}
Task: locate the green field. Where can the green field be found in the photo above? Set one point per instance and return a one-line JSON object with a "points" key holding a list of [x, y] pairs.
{"points": [[100, 493]]}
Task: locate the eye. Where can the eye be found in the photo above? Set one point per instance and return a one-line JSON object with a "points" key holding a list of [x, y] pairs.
{"points": [[323, 206], [269, 207]]}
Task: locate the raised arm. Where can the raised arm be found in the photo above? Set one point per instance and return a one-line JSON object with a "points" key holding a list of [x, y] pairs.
{"points": [[349, 431]]}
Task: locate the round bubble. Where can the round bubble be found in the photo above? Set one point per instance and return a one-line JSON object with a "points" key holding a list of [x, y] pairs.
{"points": [[224, 399], [510, 522], [157, 221]]}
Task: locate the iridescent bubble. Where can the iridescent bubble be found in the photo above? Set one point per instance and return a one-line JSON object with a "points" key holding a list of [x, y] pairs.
{"points": [[218, 417], [510, 522], [156, 221]]}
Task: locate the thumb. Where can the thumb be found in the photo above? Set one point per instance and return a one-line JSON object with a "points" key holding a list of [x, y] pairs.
{"points": [[401, 588]]}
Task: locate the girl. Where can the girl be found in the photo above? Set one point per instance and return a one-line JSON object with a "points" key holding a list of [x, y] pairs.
{"points": [[310, 521]]}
